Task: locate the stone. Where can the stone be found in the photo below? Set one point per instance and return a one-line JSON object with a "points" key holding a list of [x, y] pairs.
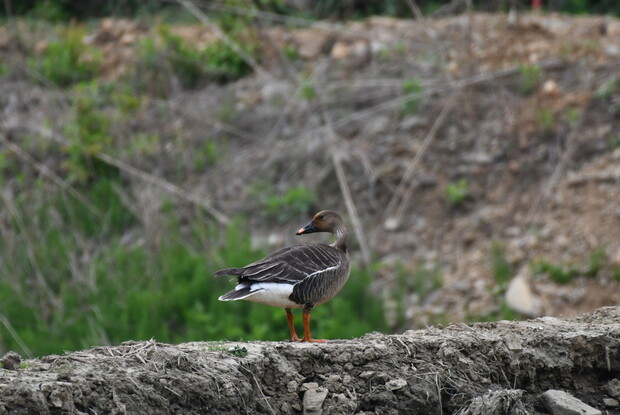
{"points": [[10, 361], [313, 401], [395, 384], [519, 296], [558, 402], [613, 388], [611, 402]]}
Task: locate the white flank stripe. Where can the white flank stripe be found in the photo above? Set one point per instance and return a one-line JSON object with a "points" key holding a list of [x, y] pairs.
{"points": [[322, 271]]}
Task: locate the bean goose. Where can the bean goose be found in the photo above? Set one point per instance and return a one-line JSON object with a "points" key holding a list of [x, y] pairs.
{"points": [[297, 276]]}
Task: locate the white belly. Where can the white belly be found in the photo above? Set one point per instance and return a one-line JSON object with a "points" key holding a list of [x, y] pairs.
{"points": [[273, 294]]}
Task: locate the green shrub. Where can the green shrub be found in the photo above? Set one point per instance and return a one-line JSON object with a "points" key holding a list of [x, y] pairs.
{"points": [[546, 119], [530, 76], [501, 268], [559, 274], [295, 202], [88, 135], [135, 291], [412, 87], [68, 59], [169, 54], [457, 193], [307, 91]]}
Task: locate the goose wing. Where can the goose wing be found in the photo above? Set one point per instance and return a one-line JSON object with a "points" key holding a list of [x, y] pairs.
{"points": [[289, 265]]}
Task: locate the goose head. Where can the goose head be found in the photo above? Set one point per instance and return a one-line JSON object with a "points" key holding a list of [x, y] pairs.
{"points": [[324, 221]]}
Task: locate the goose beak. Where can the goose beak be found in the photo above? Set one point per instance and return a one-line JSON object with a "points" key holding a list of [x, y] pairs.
{"points": [[309, 228]]}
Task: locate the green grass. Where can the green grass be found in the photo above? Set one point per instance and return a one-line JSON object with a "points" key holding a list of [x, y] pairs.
{"points": [[165, 55], [500, 267], [71, 279], [457, 192], [411, 87], [530, 76], [67, 59], [295, 202]]}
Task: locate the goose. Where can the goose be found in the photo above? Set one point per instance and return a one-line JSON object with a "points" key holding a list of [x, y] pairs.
{"points": [[297, 276]]}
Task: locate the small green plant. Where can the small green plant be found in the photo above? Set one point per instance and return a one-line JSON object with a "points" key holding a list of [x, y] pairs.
{"points": [[291, 52], [501, 268], [307, 91], [68, 59], [238, 351], [573, 116], [412, 87], [597, 260], [415, 284], [529, 78], [169, 53], [296, 202], [88, 135], [457, 193], [503, 312], [559, 274], [546, 119], [397, 50], [206, 155], [607, 89]]}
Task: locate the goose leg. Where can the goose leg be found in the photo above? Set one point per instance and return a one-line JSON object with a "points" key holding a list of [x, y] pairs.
{"points": [[289, 318], [307, 336]]}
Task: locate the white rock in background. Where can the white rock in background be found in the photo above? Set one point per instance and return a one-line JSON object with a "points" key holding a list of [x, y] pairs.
{"points": [[520, 298]]}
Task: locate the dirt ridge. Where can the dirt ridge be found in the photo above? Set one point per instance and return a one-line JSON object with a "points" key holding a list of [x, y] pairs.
{"points": [[434, 370]]}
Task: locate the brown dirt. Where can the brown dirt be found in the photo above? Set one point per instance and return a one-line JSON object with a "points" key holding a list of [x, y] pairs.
{"points": [[499, 367], [542, 192]]}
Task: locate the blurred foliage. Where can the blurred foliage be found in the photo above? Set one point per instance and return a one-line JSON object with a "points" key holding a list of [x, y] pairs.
{"points": [[598, 264], [294, 203], [501, 268], [169, 56], [457, 192], [412, 88], [530, 76], [341, 9], [54, 300], [68, 59]]}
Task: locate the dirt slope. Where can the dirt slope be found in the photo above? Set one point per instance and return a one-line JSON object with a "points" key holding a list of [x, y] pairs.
{"points": [[432, 371]]}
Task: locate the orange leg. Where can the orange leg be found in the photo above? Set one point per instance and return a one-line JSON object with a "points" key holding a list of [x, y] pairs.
{"points": [[289, 318], [307, 336]]}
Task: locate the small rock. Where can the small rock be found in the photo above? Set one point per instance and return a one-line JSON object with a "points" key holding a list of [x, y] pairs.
{"points": [[367, 374], [291, 386], [551, 88], [414, 121], [334, 378], [611, 402], [395, 384], [519, 297], [313, 401], [613, 388], [391, 224], [309, 385], [11, 361], [612, 50], [479, 157], [561, 403]]}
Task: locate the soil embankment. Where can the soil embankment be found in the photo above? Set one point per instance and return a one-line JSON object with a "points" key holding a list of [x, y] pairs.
{"points": [[480, 368]]}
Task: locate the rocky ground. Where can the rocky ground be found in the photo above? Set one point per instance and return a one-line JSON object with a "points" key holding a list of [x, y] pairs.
{"points": [[546, 365]]}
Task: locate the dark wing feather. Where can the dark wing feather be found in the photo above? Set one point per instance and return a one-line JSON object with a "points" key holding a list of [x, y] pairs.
{"points": [[288, 265]]}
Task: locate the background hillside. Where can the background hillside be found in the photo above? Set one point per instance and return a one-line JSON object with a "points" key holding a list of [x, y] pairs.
{"points": [[472, 148]]}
